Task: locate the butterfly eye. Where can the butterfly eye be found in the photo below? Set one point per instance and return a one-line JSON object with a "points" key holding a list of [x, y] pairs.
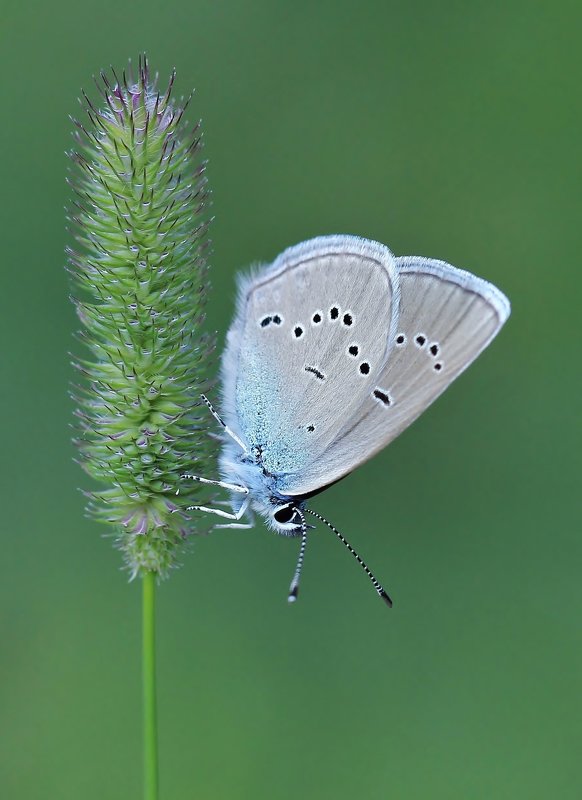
{"points": [[286, 515]]}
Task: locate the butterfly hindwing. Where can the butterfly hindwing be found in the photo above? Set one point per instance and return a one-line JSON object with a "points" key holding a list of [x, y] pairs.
{"points": [[446, 318]]}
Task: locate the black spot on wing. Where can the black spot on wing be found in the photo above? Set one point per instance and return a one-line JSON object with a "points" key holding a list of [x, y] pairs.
{"points": [[382, 397], [314, 371], [276, 319]]}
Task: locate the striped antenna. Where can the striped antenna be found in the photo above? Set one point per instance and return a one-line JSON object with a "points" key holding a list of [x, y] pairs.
{"points": [[294, 587], [377, 586]]}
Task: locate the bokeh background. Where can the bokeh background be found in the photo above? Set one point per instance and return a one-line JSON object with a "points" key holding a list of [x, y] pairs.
{"points": [[444, 129]]}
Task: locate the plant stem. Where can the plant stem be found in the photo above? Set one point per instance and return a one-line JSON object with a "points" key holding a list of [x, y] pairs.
{"points": [[149, 688]]}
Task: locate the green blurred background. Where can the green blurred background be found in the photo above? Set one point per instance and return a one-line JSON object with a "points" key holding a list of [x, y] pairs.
{"points": [[443, 129]]}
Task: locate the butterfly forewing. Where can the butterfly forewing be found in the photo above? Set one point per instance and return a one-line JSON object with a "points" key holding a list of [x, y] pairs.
{"points": [[312, 335], [447, 317]]}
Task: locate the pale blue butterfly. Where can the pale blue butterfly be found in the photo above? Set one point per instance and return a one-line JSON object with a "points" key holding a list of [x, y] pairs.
{"points": [[335, 349]]}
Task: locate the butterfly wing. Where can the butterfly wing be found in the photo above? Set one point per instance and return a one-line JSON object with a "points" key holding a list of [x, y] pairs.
{"points": [[310, 334], [447, 317]]}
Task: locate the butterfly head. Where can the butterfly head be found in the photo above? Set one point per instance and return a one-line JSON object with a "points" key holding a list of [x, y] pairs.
{"points": [[286, 518]]}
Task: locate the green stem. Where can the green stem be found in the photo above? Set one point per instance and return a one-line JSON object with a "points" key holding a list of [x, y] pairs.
{"points": [[150, 731]]}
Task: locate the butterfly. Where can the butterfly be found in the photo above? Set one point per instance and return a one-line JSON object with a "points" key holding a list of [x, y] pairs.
{"points": [[335, 348]]}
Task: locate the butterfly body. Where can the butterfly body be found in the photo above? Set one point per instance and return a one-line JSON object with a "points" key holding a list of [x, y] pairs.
{"points": [[265, 498], [334, 350]]}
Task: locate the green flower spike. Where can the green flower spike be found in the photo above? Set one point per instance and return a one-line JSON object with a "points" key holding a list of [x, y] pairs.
{"points": [[141, 276]]}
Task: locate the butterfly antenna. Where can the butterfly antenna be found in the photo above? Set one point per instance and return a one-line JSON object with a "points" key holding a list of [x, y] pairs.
{"points": [[294, 587], [377, 586]]}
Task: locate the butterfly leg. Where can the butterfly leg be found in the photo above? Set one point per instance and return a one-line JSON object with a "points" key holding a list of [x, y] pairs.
{"points": [[240, 526], [233, 487], [221, 422], [234, 516]]}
